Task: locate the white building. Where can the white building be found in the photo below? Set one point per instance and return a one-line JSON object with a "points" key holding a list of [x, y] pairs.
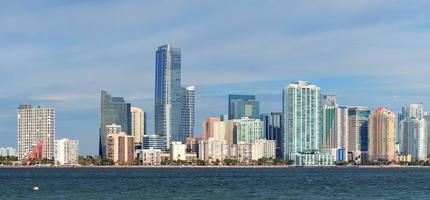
{"points": [[264, 149], [177, 151], [241, 152], [187, 113], [137, 124], [113, 128], [66, 151], [342, 134], [247, 130], [36, 132], [151, 156], [8, 151], [212, 150]]}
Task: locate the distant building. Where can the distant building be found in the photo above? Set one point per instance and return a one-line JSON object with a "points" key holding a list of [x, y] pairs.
{"points": [[329, 107], [154, 141], [247, 130], [114, 110], [187, 113], [138, 124], [382, 129], [264, 149], [273, 129], [8, 151], [168, 93], [243, 106], [36, 132], [358, 122], [214, 128], [120, 147], [151, 156], [240, 151], [113, 128], [66, 151], [211, 150], [413, 139], [177, 150], [342, 133], [193, 144]]}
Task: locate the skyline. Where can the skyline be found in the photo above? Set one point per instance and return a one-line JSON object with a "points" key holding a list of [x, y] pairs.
{"points": [[65, 66]]}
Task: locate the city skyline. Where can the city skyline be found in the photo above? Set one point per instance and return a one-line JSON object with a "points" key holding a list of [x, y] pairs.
{"points": [[67, 74]]}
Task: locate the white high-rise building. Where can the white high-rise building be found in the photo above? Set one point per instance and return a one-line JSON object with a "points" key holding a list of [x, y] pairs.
{"points": [[342, 134], [66, 151], [247, 130], [36, 132], [137, 124], [212, 150], [177, 151], [413, 132]]}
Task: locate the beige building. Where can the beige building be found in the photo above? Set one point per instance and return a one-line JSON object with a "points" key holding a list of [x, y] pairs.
{"points": [[120, 147], [137, 124], [177, 151], [264, 149], [382, 130], [214, 128], [241, 152], [212, 149]]}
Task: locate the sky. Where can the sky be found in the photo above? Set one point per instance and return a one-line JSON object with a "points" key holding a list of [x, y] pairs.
{"points": [[60, 54]]}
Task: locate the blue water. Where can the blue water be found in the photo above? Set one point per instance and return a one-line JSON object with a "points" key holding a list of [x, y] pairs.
{"points": [[220, 184]]}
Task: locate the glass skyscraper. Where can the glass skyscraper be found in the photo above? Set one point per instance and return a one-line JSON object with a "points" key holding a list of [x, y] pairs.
{"points": [[168, 93], [114, 110], [273, 129], [187, 113], [243, 106], [329, 108], [358, 121]]}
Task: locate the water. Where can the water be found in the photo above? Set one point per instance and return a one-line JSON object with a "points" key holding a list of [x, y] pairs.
{"points": [[218, 183]]}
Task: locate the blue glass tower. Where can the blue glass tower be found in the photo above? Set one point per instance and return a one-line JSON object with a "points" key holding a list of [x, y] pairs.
{"points": [[243, 106], [273, 129]]}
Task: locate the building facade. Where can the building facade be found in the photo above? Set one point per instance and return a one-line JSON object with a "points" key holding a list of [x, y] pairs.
{"points": [[358, 122], [342, 131], [382, 130], [167, 108], [66, 151], [120, 147], [8, 151], [36, 132], [154, 141], [138, 124], [114, 110], [177, 150], [214, 128], [273, 129], [329, 108], [211, 150], [187, 113], [243, 106], [247, 130]]}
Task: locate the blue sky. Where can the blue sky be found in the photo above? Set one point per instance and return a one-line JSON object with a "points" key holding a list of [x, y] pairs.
{"points": [[62, 53]]}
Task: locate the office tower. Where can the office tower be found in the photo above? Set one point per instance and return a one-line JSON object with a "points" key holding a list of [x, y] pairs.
{"points": [[8, 151], [138, 124], [329, 106], [177, 150], [342, 130], [243, 106], [114, 110], [120, 147], [414, 139], [168, 93], [381, 139], [36, 133], [247, 130], [154, 141], [358, 133], [211, 150], [302, 124], [66, 151], [214, 128], [187, 113], [273, 129]]}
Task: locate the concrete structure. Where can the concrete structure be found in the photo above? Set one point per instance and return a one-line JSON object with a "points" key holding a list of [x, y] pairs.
{"points": [[151, 156], [193, 144], [382, 129], [154, 141], [187, 113], [329, 134], [240, 106], [177, 150], [66, 151], [113, 128], [36, 127], [138, 124], [342, 130], [273, 128], [240, 151], [358, 121], [264, 149], [114, 110], [120, 147], [247, 130], [214, 128], [168, 93], [8, 151], [210, 150], [414, 138]]}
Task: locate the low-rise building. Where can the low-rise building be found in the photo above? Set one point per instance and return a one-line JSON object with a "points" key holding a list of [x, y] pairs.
{"points": [[177, 150], [212, 150], [8, 151], [66, 151], [150, 156]]}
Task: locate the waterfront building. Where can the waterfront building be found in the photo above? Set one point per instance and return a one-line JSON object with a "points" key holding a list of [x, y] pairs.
{"points": [[66, 151], [414, 138], [214, 128], [8, 151], [240, 106], [120, 147], [138, 124], [382, 128], [187, 113], [302, 124], [240, 151], [191, 157], [36, 132], [150, 156], [177, 150], [273, 129], [342, 130], [211, 150], [114, 110], [247, 130], [168, 93], [264, 149], [193, 144], [329, 107], [154, 141], [358, 118]]}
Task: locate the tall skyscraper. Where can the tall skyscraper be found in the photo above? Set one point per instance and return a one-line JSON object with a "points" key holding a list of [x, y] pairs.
{"points": [[138, 124], [36, 132], [114, 110], [168, 93], [187, 113], [329, 107], [413, 132], [302, 124], [342, 131], [273, 129], [382, 129], [243, 106], [358, 133]]}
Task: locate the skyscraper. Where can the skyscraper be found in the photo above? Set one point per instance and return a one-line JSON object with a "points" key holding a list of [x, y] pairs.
{"points": [[329, 107], [247, 130], [382, 128], [358, 133], [168, 93], [273, 129], [114, 110], [342, 131], [36, 132], [138, 124], [187, 113], [302, 124], [413, 132], [243, 106]]}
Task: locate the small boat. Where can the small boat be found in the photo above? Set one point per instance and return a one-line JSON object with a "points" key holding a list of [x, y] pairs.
{"points": [[35, 188]]}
